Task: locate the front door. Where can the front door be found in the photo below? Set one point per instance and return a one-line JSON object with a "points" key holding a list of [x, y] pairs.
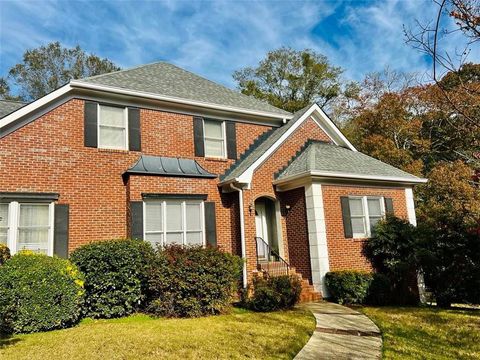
{"points": [[261, 227]]}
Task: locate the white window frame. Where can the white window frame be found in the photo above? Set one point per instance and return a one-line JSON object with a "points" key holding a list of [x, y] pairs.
{"points": [[14, 221], [224, 139], [184, 230], [366, 215], [125, 116]]}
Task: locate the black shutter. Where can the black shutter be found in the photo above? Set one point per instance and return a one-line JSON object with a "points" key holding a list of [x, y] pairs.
{"points": [[210, 224], [136, 225], [90, 124], [389, 206], [347, 221], [231, 139], [134, 139], [60, 233], [198, 136]]}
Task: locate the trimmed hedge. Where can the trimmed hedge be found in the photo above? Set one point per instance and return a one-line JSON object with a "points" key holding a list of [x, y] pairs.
{"points": [[348, 287], [189, 281], [39, 293], [274, 293], [115, 276], [358, 287], [4, 254]]}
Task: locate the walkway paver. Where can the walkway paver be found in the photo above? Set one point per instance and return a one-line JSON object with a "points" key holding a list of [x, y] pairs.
{"points": [[341, 333]]}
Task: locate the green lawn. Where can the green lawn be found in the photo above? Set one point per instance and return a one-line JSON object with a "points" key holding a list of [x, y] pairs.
{"points": [[427, 333], [242, 334]]}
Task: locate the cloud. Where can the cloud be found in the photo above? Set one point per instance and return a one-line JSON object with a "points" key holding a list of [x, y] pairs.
{"points": [[217, 37]]}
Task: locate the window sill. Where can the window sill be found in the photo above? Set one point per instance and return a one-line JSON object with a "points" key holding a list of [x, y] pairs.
{"points": [[214, 159], [113, 151]]}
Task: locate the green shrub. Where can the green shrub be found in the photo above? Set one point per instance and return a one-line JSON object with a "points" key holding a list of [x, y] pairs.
{"points": [[348, 286], [115, 276], [380, 290], [4, 254], [274, 293], [393, 251], [39, 293], [188, 281]]}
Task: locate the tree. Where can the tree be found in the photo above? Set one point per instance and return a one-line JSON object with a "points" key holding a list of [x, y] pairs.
{"points": [[291, 79], [48, 67]]}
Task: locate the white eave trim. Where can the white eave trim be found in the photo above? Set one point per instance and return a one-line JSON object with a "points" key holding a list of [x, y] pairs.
{"points": [[337, 175], [37, 104], [172, 99], [338, 138]]}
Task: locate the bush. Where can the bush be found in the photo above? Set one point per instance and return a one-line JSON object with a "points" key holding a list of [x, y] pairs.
{"points": [[392, 250], [348, 286], [39, 293], [380, 290], [188, 281], [4, 254], [115, 276], [450, 260], [274, 293]]}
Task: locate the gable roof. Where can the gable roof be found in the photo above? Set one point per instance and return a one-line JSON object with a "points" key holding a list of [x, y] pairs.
{"points": [[165, 79], [323, 159], [9, 106], [270, 141]]}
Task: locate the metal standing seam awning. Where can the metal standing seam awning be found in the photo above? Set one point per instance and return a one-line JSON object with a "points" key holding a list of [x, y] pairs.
{"points": [[168, 166]]}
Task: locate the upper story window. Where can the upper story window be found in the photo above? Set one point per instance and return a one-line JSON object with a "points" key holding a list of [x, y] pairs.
{"points": [[112, 127], [27, 226], [214, 135], [174, 222], [365, 212]]}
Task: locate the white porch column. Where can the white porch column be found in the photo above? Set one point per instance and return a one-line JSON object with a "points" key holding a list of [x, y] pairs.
{"points": [[317, 236]]}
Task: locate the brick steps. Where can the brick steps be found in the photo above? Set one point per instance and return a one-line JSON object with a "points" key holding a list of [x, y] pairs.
{"points": [[275, 268]]}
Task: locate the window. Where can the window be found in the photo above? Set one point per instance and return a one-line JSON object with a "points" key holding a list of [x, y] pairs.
{"points": [[174, 222], [214, 133], [112, 127], [27, 226], [3, 223], [365, 212]]}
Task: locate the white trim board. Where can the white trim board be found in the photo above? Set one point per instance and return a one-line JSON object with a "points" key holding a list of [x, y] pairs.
{"points": [[321, 120]]}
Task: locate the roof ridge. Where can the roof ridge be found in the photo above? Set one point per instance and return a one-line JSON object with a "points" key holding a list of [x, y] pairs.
{"points": [[14, 101], [121, 71]]}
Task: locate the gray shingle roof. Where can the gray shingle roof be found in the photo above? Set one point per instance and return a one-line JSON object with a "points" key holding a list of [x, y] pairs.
{"points": [[262, 144], [169, 80], [325, 158], [168, 166], [7, 106]]}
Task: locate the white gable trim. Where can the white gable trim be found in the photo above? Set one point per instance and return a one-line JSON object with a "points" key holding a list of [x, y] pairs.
{"points": [[322, 121], [37, 104]]}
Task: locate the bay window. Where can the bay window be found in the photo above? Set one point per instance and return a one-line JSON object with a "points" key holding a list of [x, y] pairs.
{"points": [[174, 222], [27, 226]]}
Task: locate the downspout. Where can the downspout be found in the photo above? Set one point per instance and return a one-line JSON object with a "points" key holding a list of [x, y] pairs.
{"points": [[242, 233]]}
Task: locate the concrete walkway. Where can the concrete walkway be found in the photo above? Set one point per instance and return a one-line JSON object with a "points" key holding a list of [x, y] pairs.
{"points": [[341, 333]]}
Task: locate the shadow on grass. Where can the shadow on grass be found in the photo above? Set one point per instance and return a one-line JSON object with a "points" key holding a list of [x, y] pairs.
{"points": [[8, 340]]}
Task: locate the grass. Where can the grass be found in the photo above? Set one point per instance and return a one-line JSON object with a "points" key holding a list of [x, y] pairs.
{"points": [[242, 334], [427, 333]]}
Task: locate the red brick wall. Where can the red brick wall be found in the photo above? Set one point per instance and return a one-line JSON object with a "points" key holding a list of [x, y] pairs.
{"points": [[297, 231], [262, 183], [48, 155], [345, 254]]}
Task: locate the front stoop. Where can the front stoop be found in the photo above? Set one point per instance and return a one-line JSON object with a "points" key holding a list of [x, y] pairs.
{"points": [[308, 294]]}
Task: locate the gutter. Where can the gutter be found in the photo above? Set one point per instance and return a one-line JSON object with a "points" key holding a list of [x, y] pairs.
{"points": [[173, 99], [336, 175], [242, 234]]}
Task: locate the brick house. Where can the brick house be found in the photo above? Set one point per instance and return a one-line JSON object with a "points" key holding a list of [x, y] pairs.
{"points": [[158, 153]]}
